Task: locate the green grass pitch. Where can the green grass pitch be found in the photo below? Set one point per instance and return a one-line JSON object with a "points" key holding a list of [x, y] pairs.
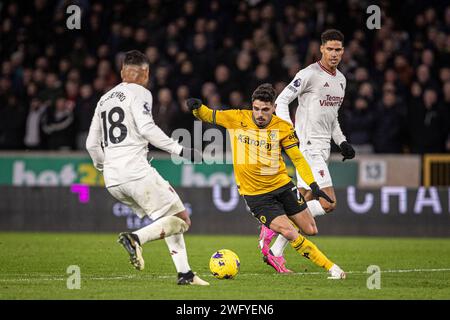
{"points": [[34, 266]]}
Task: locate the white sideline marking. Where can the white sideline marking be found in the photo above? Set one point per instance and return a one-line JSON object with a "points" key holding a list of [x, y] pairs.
{"points": [[48, 277]]}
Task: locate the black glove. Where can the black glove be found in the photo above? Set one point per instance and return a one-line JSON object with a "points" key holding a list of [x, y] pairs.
{"points": [[193, 103], [192, 155], [347, 150], [317, 193]]}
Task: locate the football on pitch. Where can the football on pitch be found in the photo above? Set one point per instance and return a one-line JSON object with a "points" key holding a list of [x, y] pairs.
{"points": [[224, 264]]}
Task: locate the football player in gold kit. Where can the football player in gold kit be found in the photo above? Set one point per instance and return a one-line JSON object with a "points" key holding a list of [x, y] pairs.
{"points": [[258, 137]]}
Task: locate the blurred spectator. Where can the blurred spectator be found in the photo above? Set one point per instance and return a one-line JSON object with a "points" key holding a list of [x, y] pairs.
{"points": [[214, 101], [236, 100], [300, 38], [290, 56], [59, 126], [366, 91], [389, 126], [187, 76], [243, 70], [360, 122], [165, 110], [428, 124], [224, 83], [52, 89], [380, 65], [84, 111], [208, 89], [313, 54], [184, 117], [445, 105], [161, 79], [424, 78], [12, 123], [404, 70], [33, 132], [202, 56], [261, 75]]}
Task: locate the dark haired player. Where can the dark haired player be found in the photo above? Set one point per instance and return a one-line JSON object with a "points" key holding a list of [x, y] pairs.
{"points": [[320, 90], [118, 139], [258, 136]]}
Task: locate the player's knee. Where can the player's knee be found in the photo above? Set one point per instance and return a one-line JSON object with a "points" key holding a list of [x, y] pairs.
{"points": [[289, 233], [185, 217], [329, 207], [180, 223], [188, 223], [310, 230], [308, 195]]}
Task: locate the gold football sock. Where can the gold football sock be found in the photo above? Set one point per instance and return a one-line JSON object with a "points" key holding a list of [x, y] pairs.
{"points": [[309, 250]]}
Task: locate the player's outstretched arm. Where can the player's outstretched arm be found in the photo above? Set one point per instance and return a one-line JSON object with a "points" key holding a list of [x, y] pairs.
{"points": [[148, 129], [305, 172], [225, 118], [199, 110], [153, 134], [93, 143]]}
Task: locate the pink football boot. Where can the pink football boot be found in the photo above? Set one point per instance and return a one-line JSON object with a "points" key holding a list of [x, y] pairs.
{"points": [[277, 263], [265, 237]]}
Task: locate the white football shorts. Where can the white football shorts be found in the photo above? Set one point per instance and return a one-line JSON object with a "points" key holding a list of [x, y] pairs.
{"points": [[151, 195], [318, 161]]}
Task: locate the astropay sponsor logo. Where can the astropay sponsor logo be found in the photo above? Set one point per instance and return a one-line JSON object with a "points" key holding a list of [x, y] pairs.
{"points": [[21, 176]]}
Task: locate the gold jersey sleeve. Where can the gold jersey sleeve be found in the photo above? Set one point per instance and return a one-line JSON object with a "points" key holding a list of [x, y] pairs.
{"points": [[289, 139], [301, 165], [225, 118]]}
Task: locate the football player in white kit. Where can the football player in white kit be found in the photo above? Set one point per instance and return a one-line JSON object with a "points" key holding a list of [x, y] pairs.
{"points": [[118, 139], [320, 90]]}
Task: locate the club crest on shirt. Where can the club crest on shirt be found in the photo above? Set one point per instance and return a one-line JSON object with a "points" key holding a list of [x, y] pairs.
{"points": [[272, 135]]}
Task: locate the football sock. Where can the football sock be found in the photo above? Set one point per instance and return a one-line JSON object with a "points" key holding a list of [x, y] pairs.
{"points": [[309, 250], [161, 228], [177, 249], [315, 208], [279, 246]]}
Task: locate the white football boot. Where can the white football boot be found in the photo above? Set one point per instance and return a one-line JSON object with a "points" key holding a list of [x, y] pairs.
{"points": [[191, 278], [336, 273]]}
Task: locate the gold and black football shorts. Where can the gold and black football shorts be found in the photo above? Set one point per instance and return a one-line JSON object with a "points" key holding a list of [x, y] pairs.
{"points": [[285, 200]]}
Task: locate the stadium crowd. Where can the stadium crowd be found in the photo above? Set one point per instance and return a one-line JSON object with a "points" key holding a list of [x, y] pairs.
{"points": [[398, 77]]}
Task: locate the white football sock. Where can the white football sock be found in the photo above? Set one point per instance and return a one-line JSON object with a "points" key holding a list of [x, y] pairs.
{"points": [[279, 246], [177, 249], [315, 208], [161, 228]]}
